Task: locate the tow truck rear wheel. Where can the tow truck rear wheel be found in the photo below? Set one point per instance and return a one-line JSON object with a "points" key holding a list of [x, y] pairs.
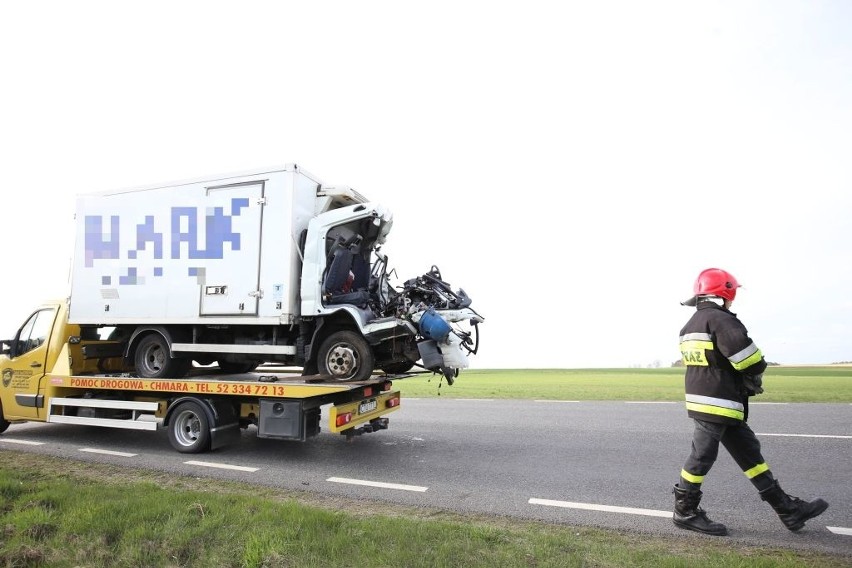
{"points": [[189, 429], [153, 359], [346, 356]]}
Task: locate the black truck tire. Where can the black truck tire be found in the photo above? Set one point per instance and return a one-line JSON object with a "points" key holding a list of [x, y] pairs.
{"points": [[346, 356], [189, 428], [153, 359], [3, 422]]}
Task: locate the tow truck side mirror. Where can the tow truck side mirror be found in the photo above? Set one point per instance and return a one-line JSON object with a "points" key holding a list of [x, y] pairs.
{"points": [[5, 347]]}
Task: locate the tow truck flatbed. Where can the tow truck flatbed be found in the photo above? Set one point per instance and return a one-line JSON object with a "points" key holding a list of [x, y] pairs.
{"points": [[202, 411]]}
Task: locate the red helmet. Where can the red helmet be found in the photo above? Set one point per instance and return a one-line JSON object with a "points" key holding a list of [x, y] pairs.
{"points": [[714, 282]]}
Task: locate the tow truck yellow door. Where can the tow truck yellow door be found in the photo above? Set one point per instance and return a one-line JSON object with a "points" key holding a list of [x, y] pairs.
{"points": [[23, 368]]}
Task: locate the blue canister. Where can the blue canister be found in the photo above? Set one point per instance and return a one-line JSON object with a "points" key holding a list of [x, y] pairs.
{"points": [[434, 326]]}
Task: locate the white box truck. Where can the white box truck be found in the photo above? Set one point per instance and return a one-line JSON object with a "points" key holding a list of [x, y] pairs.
{"points": [[269, 266]]}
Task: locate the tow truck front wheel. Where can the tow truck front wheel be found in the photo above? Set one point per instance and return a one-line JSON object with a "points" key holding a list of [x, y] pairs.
{"points": [[346, 356], [189, 429], [3, 422]]}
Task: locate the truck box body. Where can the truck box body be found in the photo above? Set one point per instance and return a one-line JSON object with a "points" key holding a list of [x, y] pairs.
{"points": [[210, 251]]}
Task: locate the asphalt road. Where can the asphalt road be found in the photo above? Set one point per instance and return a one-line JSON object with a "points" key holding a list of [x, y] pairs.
{"points": [[604, 464]]}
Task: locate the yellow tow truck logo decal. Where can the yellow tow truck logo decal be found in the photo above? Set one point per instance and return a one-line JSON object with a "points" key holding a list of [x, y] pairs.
{"points": [[16, 378]]}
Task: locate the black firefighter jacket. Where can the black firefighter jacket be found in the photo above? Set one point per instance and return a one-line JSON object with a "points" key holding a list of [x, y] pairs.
{"points": [[718, 352]]}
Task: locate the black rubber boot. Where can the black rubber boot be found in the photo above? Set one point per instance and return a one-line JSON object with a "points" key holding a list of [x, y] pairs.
{"points": [[688, 515], [792, 511]]}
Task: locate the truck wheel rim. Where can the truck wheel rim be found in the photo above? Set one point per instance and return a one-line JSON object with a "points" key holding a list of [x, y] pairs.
{"points": [[187, 428], [155, 358], [342, 361]]}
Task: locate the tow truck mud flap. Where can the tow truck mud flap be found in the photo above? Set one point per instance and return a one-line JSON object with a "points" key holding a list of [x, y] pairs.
{"points": [[287, 420], [226, 428], [344, 418]]}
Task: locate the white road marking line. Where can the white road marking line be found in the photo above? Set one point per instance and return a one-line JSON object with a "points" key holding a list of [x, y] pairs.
{"points": [[650, 402], [222, 466], [377, 484], [840, 530], [604, 508], [807, 436], [769, 403], [473, 399], [108, 452], [544, 400], [21, 442]]}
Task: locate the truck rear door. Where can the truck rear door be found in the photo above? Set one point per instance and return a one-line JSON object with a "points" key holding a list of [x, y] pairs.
{"points": [[231, 285], [25, 369]]}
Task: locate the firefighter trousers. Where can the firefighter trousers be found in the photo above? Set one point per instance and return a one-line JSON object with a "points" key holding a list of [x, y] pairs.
{"points": [[741, 443]]}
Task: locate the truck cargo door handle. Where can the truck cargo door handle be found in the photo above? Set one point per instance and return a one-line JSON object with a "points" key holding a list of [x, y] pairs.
{"points": [[35, 364]]}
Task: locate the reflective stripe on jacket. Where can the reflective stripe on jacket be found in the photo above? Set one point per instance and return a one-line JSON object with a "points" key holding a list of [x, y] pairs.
{"points": [[717, 352]]}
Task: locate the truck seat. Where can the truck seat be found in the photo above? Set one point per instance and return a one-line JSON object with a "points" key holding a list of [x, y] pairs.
{"points": [[335, 290]]}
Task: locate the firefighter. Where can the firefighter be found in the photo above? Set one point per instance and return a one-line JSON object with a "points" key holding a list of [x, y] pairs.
{"points": [[723, 369]]}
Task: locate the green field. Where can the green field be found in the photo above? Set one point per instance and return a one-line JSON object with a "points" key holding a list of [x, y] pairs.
{"points": [[781, 384], [61, 513]]}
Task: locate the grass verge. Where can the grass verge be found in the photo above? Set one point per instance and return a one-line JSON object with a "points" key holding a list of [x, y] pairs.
{"points": [[781, 384], [62, 513]]}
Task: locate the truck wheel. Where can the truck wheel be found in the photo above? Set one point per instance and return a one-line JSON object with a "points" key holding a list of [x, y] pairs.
{"points": [[3, 422], [153, 360], [346, 356], [189, 429]]}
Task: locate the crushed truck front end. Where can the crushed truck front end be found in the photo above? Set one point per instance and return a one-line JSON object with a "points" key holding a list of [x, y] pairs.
{"points": [[346, 282]]}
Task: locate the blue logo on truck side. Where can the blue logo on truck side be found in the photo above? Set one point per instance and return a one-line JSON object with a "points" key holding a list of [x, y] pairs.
{"points": [[102, 240]]}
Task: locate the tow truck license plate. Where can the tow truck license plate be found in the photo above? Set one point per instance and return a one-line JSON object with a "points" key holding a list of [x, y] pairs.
{"points": [[367, 406]]}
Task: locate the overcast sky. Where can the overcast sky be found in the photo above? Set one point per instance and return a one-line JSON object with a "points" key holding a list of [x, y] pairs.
{"points": [[572, 168]]}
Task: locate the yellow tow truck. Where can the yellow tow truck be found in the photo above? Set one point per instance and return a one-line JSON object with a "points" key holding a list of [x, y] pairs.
{"points": [[54, 371]]}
